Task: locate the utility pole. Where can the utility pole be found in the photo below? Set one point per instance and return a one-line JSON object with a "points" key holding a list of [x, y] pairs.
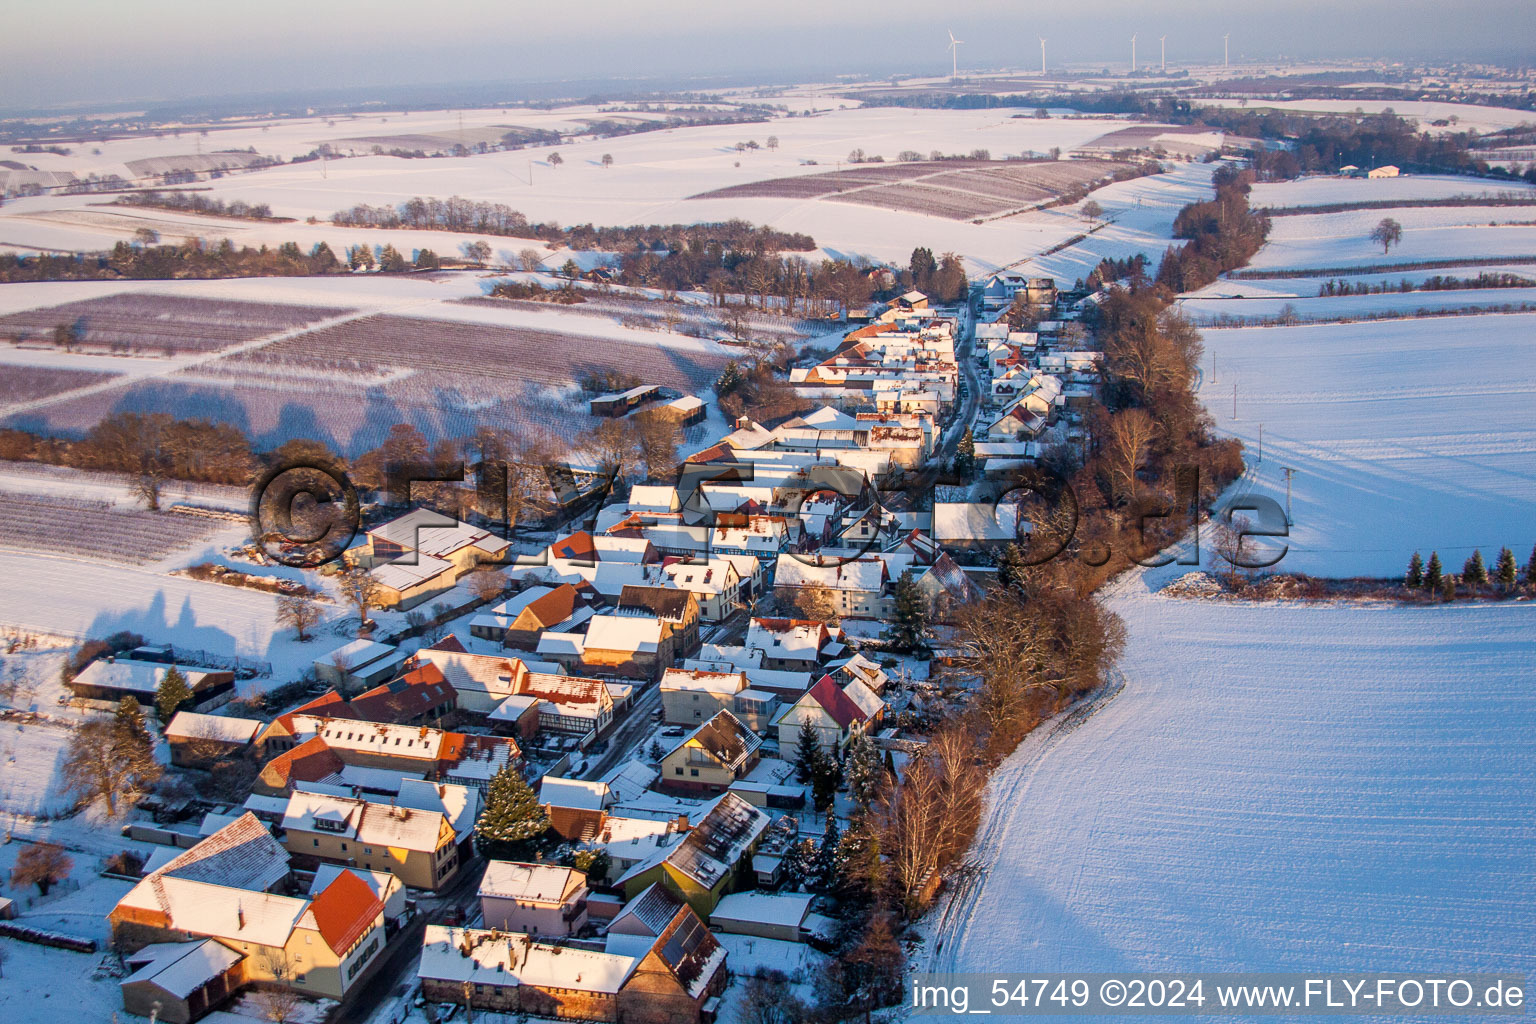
{"points": [[1213, 367], [1133, 55], [1261, 442], [1288, 473], [1164, 41], [1224, 50], [1234, 399]]}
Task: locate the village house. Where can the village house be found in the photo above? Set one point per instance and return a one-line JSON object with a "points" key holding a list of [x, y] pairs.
{"points": [[359, 665], [858, 587], [515, 973], [228, 888], [576, 807], [631, 644], [791, 645], [677, 609], [837, 713], [419, 847], [517, 622], [978, 525], [690, 696], [712, 757], [710, 859], [540, 899]]}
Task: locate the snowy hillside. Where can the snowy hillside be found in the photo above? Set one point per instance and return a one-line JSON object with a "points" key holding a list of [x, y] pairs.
{"points": [[1274, 788]]}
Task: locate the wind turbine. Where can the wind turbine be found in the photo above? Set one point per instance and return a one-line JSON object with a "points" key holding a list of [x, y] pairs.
{"points": [[1133, 55], [1164, 41], [954, 55], [1224, 50], [1042, 55]]}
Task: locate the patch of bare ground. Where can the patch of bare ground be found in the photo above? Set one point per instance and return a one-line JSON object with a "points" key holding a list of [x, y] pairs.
{"points": [[1201, 585]]}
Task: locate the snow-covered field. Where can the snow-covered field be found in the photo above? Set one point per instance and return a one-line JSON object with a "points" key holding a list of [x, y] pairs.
{"points": [[652, 175], [1467, 116], [1404, 435], [1307, 287], [1315, 307], [1322, 190], [1276, 787], [1429, 233]]}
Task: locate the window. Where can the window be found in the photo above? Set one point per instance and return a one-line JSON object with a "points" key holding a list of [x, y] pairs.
{"points": [[693, 771], [678, 770], [315, 841], [343, 847]]}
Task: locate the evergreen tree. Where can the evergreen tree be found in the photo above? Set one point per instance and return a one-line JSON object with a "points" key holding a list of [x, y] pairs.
{"points": [[391, 262], [828, 775], [860, 864], [1011, 567], [1530, 567], [828, 868], [1504, 569], [1415, 577], [799, 861], [1432, 572], [171, 694], [1448, 588], [512, 818], [1474, 572], [866, 775], [965, 456], [808, 753], [656, 752], [909, 621], [129, 717]]}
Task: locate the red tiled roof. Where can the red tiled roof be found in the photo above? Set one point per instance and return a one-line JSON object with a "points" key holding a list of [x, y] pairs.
{"points": [[344, 910], [310, 761], [836, 703], [420, 690], [449, 643], [577, 545]]}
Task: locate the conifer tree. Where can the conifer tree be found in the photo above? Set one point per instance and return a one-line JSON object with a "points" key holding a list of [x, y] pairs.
{"points": [[866, 775], [808, 754], [129, 718], [909, 621], [1474, 572], [799, 861], [512, 818], [1505, 570], [965, 456], [1432, 572], [171, 694], [1530, 567], [828, 866], [1448, 588], [1415, 577], [828, 775]]}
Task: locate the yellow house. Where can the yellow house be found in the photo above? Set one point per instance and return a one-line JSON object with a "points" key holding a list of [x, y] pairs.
{"points": [[709, 759], [221, 890], [708, 862], [419, 847]]}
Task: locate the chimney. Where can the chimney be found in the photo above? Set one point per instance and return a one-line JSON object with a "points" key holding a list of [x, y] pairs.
{"points": [[240, 918]]}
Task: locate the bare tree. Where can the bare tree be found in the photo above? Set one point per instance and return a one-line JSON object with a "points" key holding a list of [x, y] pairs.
{"points": [[773, 142], [1128, 437], [910, 828], [1387, 234], [360, 590], [477, 251], [105, 762], [41, 864], [487, 584], [1091, 211], [555, 159], [812, 601], [659, 436], [615, 443], [299, 611], [607, 160], [530, 260], [276, 1002], [1229, 544]]}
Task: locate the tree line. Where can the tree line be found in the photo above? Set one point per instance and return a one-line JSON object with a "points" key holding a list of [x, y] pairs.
{"points": [[1223, 234], [194, 258], [194, 202]]}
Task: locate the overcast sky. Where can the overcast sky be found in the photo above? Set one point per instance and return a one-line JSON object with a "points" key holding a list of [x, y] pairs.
{"points": [[67, 51]]}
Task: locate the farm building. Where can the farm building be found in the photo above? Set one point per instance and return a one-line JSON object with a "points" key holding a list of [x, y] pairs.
{"points": [[105, 682], [685, 411], [359, 665], [768, 915], [181, 981], [1384, 171], [199, 740], [621, 402]]}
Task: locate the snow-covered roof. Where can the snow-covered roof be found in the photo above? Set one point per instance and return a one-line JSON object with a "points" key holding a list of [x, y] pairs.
{"points": [[181, 968], [796, 639], [552, 644], [139, 676], [773, 908], [724, 738], [862, 575], [539, 883], [579, 794], [189, 725], [514, 707], [357, 654], [704, 681], [975, 521], [637, 633], [653, 498], [410, 571], [433, 533], [501, 960]]}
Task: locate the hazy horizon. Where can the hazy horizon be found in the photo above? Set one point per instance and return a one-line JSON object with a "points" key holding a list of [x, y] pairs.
{"points": [[89, 51]]}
